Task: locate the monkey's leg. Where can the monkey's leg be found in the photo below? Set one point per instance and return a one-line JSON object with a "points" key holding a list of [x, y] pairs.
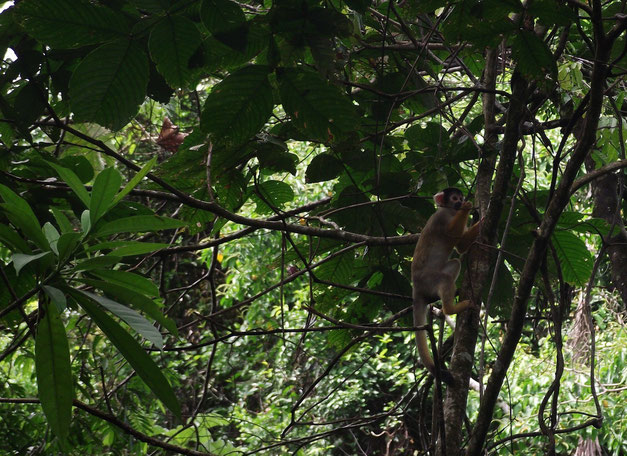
{"points": [[446, 288]]}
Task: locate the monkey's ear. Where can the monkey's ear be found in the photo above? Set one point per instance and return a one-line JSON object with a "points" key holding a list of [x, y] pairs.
{"points": [[439, 199]]}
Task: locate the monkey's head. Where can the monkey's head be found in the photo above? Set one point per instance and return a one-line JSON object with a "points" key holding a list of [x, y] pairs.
{"points": [[449, 197]]}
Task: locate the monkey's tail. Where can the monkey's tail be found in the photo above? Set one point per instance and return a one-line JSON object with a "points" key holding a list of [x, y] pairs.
{"points": [[420, 319]]}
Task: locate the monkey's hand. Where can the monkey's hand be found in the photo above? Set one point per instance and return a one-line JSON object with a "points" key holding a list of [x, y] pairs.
{"points": [[466, 206]]}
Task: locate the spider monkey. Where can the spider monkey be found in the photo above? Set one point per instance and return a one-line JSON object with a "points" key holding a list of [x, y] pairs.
{"points": [[433, 273]]}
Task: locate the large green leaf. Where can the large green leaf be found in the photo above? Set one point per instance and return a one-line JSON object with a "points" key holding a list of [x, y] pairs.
{"points": [[57, 296], [139, 223], [271, 195], [574, 256], [226, 22], [135, 180], [323, 167], [129, 280], [52, 235], [339, 269], [70, 23], [70, 178], [131, 317], [128, 248], [145, 367], [54, 374], [12, 240], [316, 107], [98, 262], [109, 84], [240, 105], [20, 285], [428, 138], [105, 187], [172, 42], [534, 57], [137, 300], [20, 214], [20, 260], [67, 244]]}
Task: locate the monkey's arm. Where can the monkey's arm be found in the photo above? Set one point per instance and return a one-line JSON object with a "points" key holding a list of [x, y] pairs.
{"points": [[468, 237], [457, 225]]}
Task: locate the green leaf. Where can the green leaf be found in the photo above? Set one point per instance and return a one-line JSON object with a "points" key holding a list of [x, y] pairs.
{"points": [[574, 256], [128, 248], [20, 214], [20, 260], [62, 220], [85, 222], [49, 22], [172, 42], [12, 240], [57, 297], [358, 5], [20, 285], [132, 298], [54, 374], [145, 367], [551, 12], [572, 221], [239, 106], [534, 58], [221, 16], [274, 194], [109, 84], [129, 280], [131, 317], [70, 178], [80, 165], [275, 158], [52, 235], [226, 22], [315, 106], [322, 168], [105, 187], [66, 245], [430, 138], [139, 223], [338, 269], [97, 262], [135, 180]]}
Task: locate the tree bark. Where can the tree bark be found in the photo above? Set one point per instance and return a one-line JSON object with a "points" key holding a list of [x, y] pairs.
{"points": [[479, 259], [605, 191], [534, 259]]}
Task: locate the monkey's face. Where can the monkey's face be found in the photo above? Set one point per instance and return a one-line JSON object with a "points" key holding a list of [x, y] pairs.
{"points": [[450, 197], [455, 200]]}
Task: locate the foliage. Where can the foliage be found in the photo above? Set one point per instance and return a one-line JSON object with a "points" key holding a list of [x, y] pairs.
{"points": [[211, 203]]}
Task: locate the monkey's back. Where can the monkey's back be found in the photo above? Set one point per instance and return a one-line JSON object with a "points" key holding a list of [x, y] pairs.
{"points": [[434, 246]]}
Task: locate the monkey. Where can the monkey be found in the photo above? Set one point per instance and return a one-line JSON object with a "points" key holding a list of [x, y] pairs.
{"points": [[433, 274]]}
